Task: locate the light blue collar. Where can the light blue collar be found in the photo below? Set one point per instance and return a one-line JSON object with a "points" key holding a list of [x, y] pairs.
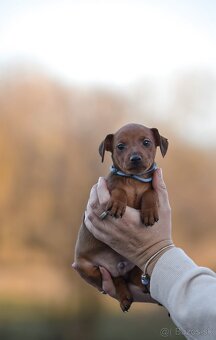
{"points": [[117, 172]]}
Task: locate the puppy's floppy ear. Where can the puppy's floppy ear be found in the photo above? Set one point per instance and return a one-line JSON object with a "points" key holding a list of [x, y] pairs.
{"points": [[106, 145], [161, 141]]}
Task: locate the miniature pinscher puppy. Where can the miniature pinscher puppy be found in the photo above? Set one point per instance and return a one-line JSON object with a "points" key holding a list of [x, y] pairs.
{"points": [[133, 148]]}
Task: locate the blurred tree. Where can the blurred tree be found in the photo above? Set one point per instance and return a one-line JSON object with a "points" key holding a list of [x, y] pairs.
{"points": [[49, 138]]}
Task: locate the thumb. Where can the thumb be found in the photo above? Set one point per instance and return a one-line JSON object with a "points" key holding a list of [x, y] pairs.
{"points": [[160, 186], [107, 283], [102, 191], [158, 181]]}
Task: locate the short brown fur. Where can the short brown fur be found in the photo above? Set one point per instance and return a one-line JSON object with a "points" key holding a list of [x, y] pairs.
{"points": [[134, 158]]}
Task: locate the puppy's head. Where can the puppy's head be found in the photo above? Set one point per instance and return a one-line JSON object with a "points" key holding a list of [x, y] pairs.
{"points": [[133, 148]]}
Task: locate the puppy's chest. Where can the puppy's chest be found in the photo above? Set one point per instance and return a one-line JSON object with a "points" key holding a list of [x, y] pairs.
{"points": [[134, 191]]}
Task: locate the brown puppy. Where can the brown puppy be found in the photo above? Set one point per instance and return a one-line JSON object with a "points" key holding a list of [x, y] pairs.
{"points": [[133, 149]]}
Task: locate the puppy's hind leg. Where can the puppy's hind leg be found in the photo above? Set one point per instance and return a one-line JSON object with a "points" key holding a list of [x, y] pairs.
{"points": [[123, 293]]}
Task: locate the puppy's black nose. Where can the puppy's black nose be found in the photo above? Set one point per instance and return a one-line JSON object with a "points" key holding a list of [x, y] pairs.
{"points": [[135, 158]]}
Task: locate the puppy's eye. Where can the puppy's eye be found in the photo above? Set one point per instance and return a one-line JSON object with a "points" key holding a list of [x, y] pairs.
{"points": [[121, 146], [146, 142]]}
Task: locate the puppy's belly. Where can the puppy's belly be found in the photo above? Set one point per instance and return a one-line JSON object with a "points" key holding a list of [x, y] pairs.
{"points": [[116, 264]]}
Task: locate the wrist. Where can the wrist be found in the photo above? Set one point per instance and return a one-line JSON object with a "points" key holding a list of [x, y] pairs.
{"points": [[152, 264], [149, 265], [145, 254]]}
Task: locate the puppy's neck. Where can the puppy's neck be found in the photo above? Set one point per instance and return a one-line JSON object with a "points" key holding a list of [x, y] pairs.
{"points": [[145, 177]]}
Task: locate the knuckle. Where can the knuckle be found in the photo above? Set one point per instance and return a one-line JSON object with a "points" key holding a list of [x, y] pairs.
{"points": [[163, 186], [93, 204], [104, 205], [89, 216]]}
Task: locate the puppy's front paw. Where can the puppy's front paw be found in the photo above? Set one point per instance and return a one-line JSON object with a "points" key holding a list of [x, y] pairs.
{"points": [[149, 216], [116, 208]]}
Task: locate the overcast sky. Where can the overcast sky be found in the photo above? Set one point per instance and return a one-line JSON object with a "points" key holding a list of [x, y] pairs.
{"points": [[109, 42], [120, 44]]}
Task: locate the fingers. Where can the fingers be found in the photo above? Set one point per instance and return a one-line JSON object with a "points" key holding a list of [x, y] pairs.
{"points": [[107, 284], [160, 187], [158, 182], [98, 227], [93, 198], [109, 288], [99, 195], [94, 209], [102, 192], [95, 225]]}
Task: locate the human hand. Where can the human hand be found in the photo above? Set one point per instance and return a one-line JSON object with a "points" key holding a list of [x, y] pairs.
{"points": [[109, 288], [127, 235]]}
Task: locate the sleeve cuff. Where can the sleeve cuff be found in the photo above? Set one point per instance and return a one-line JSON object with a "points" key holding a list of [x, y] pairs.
{"points": [[170, 268]]}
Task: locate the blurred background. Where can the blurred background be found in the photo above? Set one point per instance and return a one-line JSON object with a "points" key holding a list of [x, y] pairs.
{"points": [[70, 73]]}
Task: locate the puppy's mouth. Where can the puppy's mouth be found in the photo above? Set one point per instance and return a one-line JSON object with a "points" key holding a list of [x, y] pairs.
{"points": [[136, 169], [139, 168]]}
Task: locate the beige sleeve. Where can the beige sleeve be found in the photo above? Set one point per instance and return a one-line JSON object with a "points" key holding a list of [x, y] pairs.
{"points": [[188, 292]]}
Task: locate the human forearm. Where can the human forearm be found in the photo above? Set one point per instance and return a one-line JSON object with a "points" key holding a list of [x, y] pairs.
{"points": [[188, 292]]}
